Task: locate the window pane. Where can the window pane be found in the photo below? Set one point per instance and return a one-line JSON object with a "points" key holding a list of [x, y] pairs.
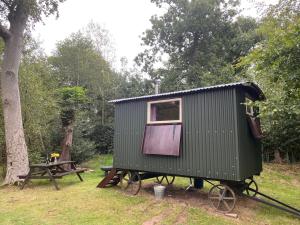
{"points": [[249, 107], [162, 139], [165, 111]]}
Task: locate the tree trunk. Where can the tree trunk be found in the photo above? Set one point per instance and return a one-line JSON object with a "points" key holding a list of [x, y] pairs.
{"points": [[16, 149], [277, 157], [67, 143], [3, 160]]}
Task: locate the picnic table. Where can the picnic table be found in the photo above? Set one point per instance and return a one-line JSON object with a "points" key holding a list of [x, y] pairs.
{"points": [[52, 171]]}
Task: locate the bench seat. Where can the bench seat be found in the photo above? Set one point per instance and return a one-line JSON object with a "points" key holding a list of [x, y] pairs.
{"points": [[22, 176], [106, 168], [58, 175]]}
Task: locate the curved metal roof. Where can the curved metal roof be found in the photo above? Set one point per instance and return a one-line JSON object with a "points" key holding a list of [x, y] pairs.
{"points": [[251, 88]]}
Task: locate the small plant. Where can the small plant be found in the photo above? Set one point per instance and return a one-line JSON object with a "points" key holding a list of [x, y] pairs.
{"points": [[54, 156]]}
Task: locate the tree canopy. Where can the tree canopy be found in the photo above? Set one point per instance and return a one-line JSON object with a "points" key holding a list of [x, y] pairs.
{"points": [[274, 64], [195, 43], [201, 41]]}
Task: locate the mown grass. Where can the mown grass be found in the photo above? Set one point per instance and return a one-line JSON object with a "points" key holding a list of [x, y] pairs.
{"points": [[81, 203]]}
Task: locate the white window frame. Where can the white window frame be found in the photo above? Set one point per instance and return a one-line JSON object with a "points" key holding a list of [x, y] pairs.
{"points": [[164, 121], [249, 109]]}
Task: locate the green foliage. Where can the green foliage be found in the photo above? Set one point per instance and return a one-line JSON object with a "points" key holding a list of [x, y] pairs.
{"points": [[103, 137], [274, 64], [83, 147], [32, 10], [39, 102], [131, 84], [201, 39], [15, 17], [78, 62], [76, 79], [72, 98]]}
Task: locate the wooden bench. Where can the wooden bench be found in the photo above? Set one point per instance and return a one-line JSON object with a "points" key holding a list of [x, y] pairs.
{"points": [[50, 171], [60, 175]]}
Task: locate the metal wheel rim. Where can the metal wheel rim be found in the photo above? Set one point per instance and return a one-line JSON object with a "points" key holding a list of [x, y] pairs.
{"points": [[124, 178], [250, 183], [168, 179], [222, 198], [131, 182]]}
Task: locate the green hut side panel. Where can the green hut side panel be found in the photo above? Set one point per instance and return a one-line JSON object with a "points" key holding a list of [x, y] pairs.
{"points": [[250, 158], [130, 120], [209, 146]]}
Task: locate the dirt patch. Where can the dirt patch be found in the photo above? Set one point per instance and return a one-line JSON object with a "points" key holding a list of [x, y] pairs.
{"points": [[182, 217], [295, 182], [157, 219], [154, 220], [198, 199]]}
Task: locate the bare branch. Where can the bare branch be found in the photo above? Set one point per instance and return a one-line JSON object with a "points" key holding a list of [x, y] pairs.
{"points": [[4, 32], [6, 3]]}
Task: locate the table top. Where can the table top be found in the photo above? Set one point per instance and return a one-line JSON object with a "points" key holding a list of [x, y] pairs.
{"points": [[51, 164]]}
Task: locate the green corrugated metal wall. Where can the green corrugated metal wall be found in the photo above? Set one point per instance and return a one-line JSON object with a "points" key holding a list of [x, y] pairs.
{"points": [[209, 138], [250, 155]]}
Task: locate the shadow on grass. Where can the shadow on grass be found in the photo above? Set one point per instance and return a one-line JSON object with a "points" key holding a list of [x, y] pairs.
{"points": [[46, 184]]}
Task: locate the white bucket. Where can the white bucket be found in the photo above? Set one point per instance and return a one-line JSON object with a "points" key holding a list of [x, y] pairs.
{"points": [[159, 191]]}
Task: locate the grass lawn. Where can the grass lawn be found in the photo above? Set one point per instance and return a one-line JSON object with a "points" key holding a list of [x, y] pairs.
{"points": [[81, 203]]}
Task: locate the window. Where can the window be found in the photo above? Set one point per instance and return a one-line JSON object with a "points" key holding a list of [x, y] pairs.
{"points": [[252, 113], [162, 139], [165, 111], [251, 110]]}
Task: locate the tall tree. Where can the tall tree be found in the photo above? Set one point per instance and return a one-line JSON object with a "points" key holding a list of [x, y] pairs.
{"points": [[15, 16], [72, 99], [102, 40], [274, 64], [198, 40], [79, 62]]}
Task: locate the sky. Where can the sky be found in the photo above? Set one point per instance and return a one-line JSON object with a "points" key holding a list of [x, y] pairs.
{"points": [[126, 20]]}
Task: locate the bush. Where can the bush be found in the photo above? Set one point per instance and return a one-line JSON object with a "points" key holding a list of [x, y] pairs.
{"points": [[103, 138]]}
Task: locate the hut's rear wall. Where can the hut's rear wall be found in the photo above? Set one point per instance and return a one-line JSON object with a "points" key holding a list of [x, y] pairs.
{"points": [[250, 158], [209, 137]]}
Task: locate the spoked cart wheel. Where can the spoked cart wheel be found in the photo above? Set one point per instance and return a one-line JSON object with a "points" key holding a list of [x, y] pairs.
{"points": [[251, 187], [130, 182], [168, 180], [222, 198]]}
